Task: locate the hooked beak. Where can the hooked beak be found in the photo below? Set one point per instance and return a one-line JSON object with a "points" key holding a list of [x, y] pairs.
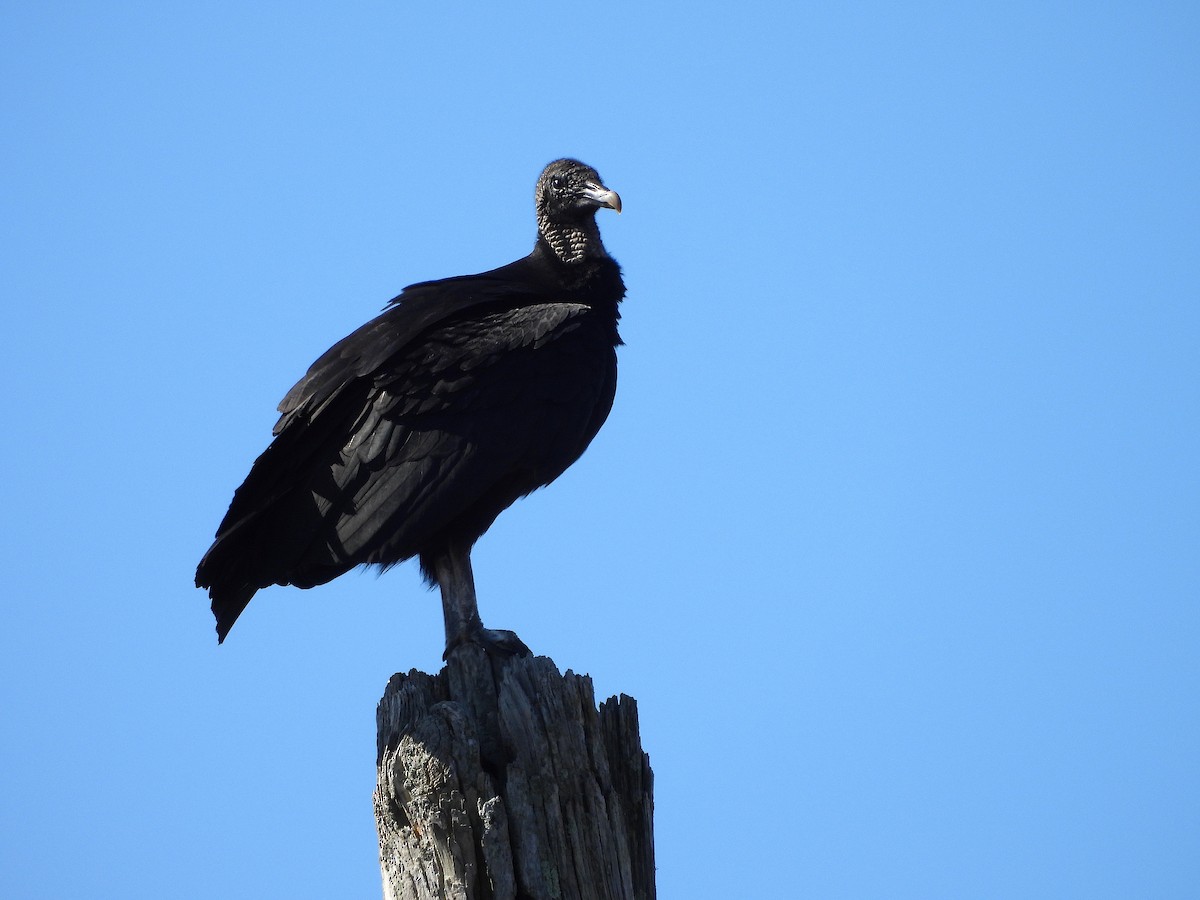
{"points": [[602, 196]]}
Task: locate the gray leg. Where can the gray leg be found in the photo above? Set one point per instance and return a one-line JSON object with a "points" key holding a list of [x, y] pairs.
{"points": [[452, 571]]}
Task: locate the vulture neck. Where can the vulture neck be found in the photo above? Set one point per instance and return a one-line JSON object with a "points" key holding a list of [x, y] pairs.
{"points": [[574, 242]]}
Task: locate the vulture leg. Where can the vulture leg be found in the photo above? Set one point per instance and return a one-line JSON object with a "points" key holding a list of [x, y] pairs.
{"points": [[451, 569]]}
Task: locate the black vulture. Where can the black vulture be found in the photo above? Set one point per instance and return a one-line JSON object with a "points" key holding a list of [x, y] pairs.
{"points": [[411, 435]]}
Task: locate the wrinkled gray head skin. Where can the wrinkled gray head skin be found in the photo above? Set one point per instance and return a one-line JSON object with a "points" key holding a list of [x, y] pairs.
{"points": [[567, 197]]}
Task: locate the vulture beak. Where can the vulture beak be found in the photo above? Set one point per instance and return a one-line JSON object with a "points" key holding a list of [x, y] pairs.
{"points": [[602, 196]]}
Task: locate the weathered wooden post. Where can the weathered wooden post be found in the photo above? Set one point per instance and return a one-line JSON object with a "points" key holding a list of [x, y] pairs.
{"points": [[499, 779]]}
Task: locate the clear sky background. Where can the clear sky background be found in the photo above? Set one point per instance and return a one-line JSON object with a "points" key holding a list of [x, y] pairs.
{"points": [[894, 531]]}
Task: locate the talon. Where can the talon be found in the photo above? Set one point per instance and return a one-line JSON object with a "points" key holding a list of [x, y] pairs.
{"points": [[494, 641]]}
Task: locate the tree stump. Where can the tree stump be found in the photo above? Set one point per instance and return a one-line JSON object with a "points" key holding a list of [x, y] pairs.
{"points": [[499, 779]]}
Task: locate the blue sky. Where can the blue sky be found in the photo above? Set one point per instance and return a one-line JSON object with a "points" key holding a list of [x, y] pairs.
{"points": [[893, 531]]}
